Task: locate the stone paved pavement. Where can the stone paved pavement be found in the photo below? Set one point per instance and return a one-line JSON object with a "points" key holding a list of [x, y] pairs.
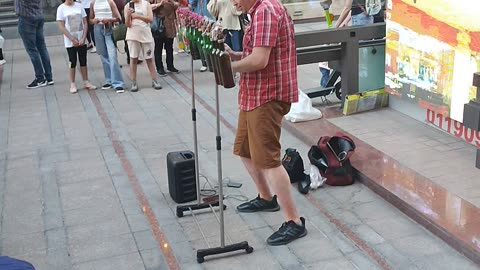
{"points": [[80, 174]]}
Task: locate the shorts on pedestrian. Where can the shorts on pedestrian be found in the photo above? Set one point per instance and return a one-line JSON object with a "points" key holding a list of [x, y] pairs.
{"points": [[72, 52], [135, 48], [258, 134]]}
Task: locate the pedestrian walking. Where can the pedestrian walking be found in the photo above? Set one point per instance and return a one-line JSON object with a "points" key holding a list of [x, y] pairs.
{"points": [[138, 16], [72, 20], [103, 15], [268, 86], [30, 28]]}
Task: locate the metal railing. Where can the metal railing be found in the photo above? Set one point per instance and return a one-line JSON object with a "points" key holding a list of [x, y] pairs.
{"points": [[340, 45]]}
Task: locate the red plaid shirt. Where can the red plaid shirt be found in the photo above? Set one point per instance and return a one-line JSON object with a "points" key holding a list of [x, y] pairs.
{"points": [[270, 26]]}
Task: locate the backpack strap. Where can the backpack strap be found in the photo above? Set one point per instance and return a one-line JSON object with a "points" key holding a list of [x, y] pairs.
{"points": [[332, 159], [347, 138]]}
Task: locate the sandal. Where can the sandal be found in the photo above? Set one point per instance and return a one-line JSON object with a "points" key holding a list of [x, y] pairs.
{"points": [[89, 86]]}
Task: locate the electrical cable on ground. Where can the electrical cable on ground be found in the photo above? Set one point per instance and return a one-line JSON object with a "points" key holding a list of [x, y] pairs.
{"points": [[213, 190]]}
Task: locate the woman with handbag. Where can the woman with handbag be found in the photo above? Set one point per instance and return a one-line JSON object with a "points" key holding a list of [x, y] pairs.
{"points": [[138, 16], [72, 20], [165, 12], [104, 15]]}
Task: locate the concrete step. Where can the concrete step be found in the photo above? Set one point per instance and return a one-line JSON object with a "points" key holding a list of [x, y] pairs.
{"points": [[9, 22], [7, 9], [9, 3], [7, 15]]}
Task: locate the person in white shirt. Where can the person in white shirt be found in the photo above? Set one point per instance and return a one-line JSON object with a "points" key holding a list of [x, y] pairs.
{"points": [[72, 21], [104, 15], [138, 16], [90, 34], [228, 16]]}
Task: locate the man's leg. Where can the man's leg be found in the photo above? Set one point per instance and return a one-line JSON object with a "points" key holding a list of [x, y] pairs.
{"points": [[42, 49], [263, 126], [236, 41], [158, 56], [26, 29], [258, 178], [169, 54], [325, 76], [265, 201], [280, 183]]}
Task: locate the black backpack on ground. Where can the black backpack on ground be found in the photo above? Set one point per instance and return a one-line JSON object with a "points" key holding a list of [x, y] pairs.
{"points": [[293, 164]]}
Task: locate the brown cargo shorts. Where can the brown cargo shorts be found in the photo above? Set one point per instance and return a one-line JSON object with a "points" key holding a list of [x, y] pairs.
{"points": [[258, 134]]}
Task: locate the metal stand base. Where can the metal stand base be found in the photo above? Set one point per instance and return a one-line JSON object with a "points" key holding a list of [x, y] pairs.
{"points": [[202, 253], [183, 208], [325, 100]]}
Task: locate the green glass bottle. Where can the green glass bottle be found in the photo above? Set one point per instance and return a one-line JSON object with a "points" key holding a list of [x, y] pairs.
{"points": [[206, 48], [193, 42]]}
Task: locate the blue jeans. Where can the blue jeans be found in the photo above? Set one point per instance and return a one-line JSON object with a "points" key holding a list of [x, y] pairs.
{"points": [[325, 75], [31, 32], [108, 54], [361, 19], [232, 38]]}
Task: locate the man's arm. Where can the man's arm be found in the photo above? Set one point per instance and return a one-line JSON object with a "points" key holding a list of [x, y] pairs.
{"points": [[258, 60]]}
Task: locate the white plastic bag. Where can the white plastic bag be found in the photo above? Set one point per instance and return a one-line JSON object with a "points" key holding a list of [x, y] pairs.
{"points": [[303, 109], [316, 180]]}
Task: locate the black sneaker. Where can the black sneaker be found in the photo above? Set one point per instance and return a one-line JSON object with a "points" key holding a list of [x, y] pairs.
{"points": [[173, 70], [288, 232], [106, 86], [259, 204], [50, 82], [161, 72], [120, 89], [37, 83]]}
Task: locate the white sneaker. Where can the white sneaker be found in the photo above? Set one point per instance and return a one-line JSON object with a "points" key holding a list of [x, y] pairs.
{"points": [[2, 62], [156, 85], [203, 69], [93, 50]]}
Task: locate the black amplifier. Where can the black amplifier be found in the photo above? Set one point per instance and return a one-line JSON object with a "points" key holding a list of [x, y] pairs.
{"points": [[181, 176]]}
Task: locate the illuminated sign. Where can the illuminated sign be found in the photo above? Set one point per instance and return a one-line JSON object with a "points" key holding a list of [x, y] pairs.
{"points": [[432, 51]]}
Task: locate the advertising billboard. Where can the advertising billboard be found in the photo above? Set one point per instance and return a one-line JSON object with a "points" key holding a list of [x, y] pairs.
{"points": [[432, 51]]}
